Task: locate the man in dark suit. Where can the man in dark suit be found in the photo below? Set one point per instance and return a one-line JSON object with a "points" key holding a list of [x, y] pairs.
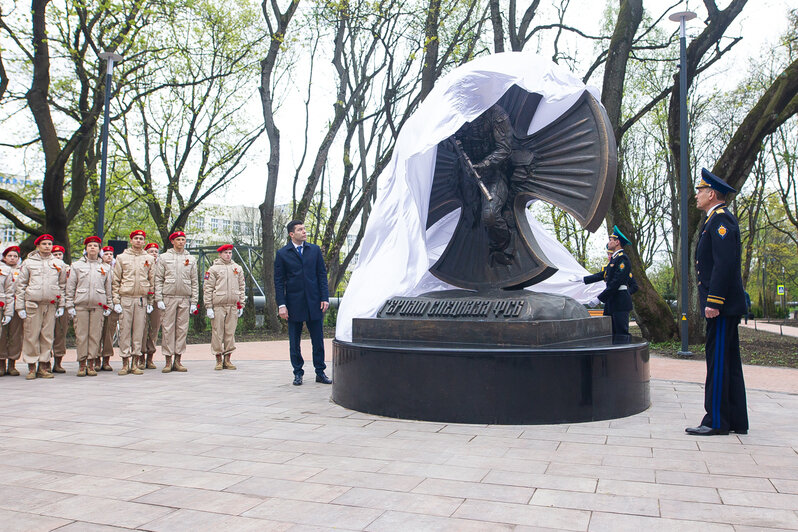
{"points": [[722, 302], [617, 297], [300, 284]]}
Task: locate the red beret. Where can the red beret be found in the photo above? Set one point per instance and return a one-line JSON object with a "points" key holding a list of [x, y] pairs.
{"points": [[176, 234], [138, 232], [90, 239], [59, 248], [152, 245], [12, 248], [108, 248], [224, 247], [43, 237]]}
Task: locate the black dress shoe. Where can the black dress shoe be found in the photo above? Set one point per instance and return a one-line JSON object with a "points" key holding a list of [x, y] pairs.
{"points": [[297, 380], [703, 430], [322, 378]]}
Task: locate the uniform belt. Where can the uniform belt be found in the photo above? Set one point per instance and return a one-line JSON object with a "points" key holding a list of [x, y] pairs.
{"points": [[622, 287]]}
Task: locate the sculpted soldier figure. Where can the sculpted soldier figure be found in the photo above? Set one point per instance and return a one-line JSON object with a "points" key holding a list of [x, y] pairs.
{"points": [[155, 315], [88, 299], [487, 140], [39, 301], [111, 320], [61, 323], [132, 292], [225, 296], [11, 330], [176, 294]]}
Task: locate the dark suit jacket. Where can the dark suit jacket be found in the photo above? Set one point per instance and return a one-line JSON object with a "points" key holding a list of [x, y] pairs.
{"points": [[300, 283], [618, 272], [720, 284]]}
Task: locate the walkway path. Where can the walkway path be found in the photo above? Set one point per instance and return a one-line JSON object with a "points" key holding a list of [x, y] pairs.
{"points": [[246, 451]]}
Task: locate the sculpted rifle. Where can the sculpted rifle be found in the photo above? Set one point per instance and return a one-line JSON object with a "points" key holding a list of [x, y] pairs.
{"points": [[463, 155]]}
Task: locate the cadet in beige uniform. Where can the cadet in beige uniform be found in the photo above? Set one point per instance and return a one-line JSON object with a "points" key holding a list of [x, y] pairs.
{"points": [[39, 301], [61, 323], [132, 293], [11, 330], [154, 322], [176, 293], [225, 295], [88, 299], [112, 319]]}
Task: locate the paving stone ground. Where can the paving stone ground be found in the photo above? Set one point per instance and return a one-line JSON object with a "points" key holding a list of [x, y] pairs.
{"points": [[246, 450]]}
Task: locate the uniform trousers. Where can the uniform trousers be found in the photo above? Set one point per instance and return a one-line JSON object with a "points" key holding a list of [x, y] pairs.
{"points": [[38, 332], [11, 339], [174, 325], [620, 322], [724, 392], [316, 330], [132, 323], [88, 332], [151, 332], [109, 329], [223, 329], [59, 335]]}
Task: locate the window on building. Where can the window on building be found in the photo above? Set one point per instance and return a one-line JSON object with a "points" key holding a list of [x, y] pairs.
{"points": [[237, 229], [226, 226], [7, 233], [215, 224], [200, 224]]}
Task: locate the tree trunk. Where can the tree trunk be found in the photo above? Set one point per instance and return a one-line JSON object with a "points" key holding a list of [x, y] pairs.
{"points": [[431, 43]]}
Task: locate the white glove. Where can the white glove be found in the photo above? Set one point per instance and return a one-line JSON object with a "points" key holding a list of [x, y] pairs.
{"points": [[594, 302], [118, 308], [210, 313], [240, 312], [193, 309], [107, 312], [574, 279], [149, 309], [72, 312], [161, 305], [59, 312], [6, 320], [22, 314]]}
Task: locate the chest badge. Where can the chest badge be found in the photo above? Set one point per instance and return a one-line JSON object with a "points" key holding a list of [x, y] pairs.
{"points": [[186, 262], [722, 231], [622, 266]]}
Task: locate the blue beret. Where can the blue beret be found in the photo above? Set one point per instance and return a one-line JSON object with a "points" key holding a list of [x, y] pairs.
{"points": [[620, 236], [708, 179]]}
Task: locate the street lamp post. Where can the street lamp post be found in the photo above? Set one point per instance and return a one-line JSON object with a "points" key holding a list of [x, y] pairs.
{"points": [[682, 17], [111, 58]]}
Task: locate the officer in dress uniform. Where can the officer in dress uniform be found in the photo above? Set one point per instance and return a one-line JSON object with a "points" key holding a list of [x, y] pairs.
{"points": [[61, 323], [111, 320], [155, 315], [617, 274], [11, 330], [722, 302], [225, 295]]}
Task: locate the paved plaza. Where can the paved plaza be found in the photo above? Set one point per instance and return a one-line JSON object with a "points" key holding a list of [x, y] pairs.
{"points": [[246, 450]]}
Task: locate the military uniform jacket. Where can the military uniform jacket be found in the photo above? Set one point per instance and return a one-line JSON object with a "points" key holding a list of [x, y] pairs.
{"points": [[300, 283], [132, 275], [617, 274], [89, 285], [720, 284], [8, 278], [41, 280], [224, 285], [176, 275]]}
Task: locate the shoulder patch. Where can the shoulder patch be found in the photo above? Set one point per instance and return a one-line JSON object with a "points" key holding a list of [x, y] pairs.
{"points": [[622, 266], [722, 231]]}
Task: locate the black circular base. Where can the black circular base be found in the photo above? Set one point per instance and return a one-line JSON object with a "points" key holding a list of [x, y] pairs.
{"points": [[595, 380]]}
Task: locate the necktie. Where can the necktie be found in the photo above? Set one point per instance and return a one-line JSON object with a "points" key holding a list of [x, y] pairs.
{"points": [[299, 250]]}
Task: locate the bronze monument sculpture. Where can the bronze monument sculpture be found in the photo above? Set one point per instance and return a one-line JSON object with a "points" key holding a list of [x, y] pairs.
{"points": [[507, 355]]}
